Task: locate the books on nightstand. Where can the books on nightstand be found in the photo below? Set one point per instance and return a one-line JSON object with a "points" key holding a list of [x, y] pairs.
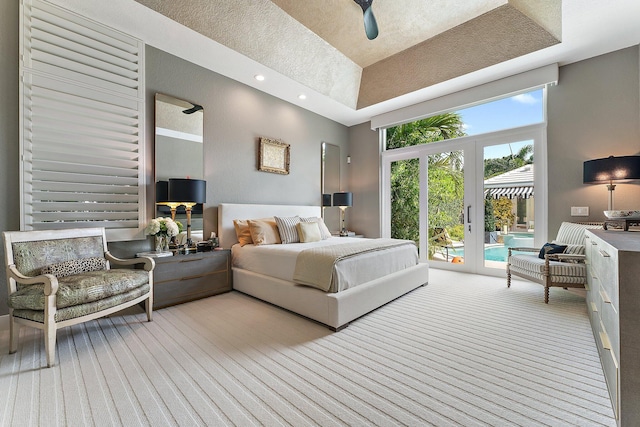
{"points": [[155, 254]]}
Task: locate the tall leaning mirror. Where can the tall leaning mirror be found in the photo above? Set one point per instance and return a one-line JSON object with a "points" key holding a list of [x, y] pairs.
{"points": [[179, 154], [330, 183]]}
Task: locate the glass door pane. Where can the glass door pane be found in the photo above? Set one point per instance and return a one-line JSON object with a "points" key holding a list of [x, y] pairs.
{"points": [[405, 200], [445, 183], [508, 200]]}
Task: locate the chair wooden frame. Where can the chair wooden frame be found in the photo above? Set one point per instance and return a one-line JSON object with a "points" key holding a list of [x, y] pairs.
{"points": [[546, 281], [50, 326]]}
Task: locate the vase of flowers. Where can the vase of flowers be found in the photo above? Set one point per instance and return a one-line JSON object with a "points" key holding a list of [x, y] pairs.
{"points": [[163, 229]]}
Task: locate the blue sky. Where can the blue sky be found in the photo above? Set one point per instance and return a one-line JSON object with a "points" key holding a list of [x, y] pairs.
{"points": [[519, 110]]}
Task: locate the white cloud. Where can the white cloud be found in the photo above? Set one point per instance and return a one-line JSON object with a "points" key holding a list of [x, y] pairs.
{"points": [[466, 126], [525, 98]]}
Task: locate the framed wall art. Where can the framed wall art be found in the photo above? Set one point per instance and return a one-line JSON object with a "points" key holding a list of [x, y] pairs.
{"points": [[273, 156]]}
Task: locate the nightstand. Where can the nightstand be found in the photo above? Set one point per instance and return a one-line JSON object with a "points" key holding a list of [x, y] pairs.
{"points": [[182, 278]]}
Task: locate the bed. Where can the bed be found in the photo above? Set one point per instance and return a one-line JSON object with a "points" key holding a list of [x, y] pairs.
{"points": [[333, 309]]}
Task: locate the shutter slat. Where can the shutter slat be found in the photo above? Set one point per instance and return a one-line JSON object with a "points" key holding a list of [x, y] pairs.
{"points": [[60, 206], [91, 170], [90, 197], [70, 158], [83, 224], [84, 216], [94, 187]]}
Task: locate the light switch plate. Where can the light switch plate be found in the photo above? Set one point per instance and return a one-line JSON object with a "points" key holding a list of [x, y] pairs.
{"points": [[579, 210]]}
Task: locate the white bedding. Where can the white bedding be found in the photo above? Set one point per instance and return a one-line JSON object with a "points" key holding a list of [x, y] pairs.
{"points": [[279, 261]]}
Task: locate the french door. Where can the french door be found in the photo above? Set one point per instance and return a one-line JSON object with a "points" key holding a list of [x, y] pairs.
{"points": [[437, 195]]}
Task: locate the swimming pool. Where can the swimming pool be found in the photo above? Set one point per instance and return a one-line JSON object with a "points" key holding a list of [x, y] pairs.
{"points": [[491, 253]]}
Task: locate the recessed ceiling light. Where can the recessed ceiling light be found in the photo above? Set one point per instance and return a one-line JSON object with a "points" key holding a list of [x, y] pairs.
{"points": [[302, 96], [259, 77]]}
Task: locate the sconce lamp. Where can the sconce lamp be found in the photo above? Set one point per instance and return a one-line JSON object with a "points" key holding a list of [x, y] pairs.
{"points": [[187, 192], [343, 201], [610, 169]]}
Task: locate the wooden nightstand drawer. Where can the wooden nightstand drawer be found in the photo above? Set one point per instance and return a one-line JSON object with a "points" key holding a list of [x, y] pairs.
{"points": [[189, 289], [181, 266], [183, 278]]}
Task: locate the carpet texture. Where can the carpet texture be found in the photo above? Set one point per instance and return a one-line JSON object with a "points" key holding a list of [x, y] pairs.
{"points": [[462, 351]]}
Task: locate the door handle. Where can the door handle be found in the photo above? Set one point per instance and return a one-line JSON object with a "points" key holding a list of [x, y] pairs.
{"points": [[469, 214]]}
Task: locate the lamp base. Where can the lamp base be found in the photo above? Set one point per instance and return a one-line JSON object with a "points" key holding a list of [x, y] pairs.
{"points": [[344, 233]]}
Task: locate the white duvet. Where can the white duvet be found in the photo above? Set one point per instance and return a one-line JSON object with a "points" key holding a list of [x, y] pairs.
{"points": [[280, 261]]}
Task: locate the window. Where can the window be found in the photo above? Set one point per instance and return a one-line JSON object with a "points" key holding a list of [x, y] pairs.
{"points": [[82, 141]]}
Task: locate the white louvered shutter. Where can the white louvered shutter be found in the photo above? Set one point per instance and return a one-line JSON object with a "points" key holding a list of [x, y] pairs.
{"points": [[82, 124]]}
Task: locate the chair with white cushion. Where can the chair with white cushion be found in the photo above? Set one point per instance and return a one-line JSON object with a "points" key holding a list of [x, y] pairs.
{"points": [[553, 265]]}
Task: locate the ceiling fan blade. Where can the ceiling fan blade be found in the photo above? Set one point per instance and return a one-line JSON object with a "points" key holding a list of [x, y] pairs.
{"points": [[370, 24]]}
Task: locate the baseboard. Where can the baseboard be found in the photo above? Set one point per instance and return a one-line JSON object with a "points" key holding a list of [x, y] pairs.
{"points": [[4, 322]]}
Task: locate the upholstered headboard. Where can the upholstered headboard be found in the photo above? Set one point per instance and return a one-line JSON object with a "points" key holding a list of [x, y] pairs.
{"points": [[227, 212]]}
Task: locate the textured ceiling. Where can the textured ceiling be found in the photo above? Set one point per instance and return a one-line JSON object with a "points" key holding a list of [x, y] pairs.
{"points": [[321, 44]]}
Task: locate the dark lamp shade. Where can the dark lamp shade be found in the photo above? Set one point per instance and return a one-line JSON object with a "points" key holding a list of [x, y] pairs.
{"points": [[326, 200], [162, 191], [343, 199], [187, 190], [611, 169]]}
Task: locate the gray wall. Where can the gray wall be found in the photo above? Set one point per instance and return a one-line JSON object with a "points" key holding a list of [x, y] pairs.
{"points": [[593, 112], [364, 180], [235, 116]]}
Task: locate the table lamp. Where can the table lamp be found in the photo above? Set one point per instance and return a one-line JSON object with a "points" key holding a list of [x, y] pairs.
{"points": [[188, 192], [610, 169], [343, 201]]}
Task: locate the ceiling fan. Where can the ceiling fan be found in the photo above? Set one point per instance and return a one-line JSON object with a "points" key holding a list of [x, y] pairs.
{"points": [[370, 24]]}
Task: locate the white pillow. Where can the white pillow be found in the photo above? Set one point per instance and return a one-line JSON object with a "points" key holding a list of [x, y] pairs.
{"points": [[324, 231], [287, 229], [309, 232]]}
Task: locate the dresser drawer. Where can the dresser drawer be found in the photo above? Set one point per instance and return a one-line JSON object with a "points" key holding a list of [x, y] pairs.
{"points": [[610, 368], [188, 266], [604, 264], [609, 319]]}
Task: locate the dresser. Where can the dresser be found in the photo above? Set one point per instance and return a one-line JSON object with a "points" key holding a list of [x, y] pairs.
{"points": [[182, 278], [613, 304]]}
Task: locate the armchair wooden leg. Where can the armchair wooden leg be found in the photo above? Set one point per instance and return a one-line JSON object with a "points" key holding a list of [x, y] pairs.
{"points": [[546, 295], [50, 344], [508, 277], [148, 306], [14, 331]]}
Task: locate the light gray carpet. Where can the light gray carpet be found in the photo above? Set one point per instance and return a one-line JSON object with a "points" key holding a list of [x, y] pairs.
{"points": [[464, 350]]}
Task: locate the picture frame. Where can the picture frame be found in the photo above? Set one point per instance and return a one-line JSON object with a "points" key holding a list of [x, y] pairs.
{"points": [[273, 156]]}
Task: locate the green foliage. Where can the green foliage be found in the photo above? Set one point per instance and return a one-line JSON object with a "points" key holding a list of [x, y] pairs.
{"points": [[503, 212], [445, 177], [489, 216]]}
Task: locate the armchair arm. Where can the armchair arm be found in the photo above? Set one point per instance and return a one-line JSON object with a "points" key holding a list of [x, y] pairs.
{"points": [[523, 250], [49, 280], [149, 263], [566, 257]]}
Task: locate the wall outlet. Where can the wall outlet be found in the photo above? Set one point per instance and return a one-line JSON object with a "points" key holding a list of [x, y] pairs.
{"points": [[579, 210]]}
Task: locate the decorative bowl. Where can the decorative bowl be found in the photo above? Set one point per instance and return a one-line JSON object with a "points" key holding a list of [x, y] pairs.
{"points": [[622, 214]]}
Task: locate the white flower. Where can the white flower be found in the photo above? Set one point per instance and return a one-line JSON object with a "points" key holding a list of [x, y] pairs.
{"points": [[162, 226]]}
